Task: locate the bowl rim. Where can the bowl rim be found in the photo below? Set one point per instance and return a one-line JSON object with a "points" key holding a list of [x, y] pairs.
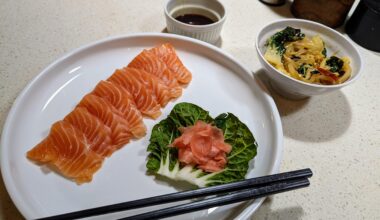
{"points": [[296, 20], [196, 27]]}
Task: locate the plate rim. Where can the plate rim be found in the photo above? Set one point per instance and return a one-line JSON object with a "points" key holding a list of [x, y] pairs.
{"points": [[251, 206]]}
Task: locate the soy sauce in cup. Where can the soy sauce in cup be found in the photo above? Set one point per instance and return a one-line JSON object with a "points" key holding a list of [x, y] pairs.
{"points": [[194, 19], [195, 15]]}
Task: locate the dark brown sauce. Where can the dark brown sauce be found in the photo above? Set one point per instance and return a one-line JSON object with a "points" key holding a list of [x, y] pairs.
{"points": [[194, 19]]}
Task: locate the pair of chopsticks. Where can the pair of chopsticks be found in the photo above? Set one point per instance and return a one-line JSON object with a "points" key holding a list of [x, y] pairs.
{"points": [[231, 193]]}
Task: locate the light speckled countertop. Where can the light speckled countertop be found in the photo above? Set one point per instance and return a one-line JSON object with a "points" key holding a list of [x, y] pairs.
{"points": [[337, 135]]}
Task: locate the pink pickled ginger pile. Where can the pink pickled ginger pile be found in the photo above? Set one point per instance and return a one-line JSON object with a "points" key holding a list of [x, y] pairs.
{"points": [[202, 145]]}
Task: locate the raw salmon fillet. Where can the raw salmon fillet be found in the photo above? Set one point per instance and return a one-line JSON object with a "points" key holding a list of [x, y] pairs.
{"points": [[102, 109], [151, 63], [67, 149], [143, 96], [97, 134], [166, 53], [112, 114], [123, 101], [162, 92]]}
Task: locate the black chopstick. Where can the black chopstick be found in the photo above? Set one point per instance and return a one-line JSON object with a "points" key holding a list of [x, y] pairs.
{"points": [[223, 200], [253, 182]]}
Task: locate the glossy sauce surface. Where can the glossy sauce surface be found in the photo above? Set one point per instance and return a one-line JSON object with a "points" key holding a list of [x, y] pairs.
{"points": [[194, 19]]}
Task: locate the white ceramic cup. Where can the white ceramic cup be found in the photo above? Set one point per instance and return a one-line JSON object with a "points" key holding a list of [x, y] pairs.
{"points": [[210, 8]]}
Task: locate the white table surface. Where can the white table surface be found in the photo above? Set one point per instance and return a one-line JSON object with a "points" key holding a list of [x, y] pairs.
{"points": [[337, 135]]}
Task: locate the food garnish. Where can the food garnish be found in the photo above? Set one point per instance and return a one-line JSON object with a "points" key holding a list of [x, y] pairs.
{"points": [[164, 159]]}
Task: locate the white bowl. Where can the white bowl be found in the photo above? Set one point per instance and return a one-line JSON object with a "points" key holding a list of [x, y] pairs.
{"points": [[335, 42], [209, 33]]}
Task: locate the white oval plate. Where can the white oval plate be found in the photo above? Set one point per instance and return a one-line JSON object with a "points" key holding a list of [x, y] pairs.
{"points": [[220, 84]]}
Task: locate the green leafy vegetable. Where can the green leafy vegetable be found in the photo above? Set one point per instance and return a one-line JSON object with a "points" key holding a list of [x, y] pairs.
{"points": [[315, 72], [335, 64], [163, 160], [303, 69], [279, 39], [324, 51]]}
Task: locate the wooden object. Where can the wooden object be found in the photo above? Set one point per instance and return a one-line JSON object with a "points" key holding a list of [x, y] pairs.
{"points": [[328, 12]]}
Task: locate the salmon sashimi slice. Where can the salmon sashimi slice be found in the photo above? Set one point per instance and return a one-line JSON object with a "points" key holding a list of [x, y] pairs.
{"points": [[166, 53], [151, 63], [97, 106], [143, 96], [159, 89], [66, 148], [98, 135], [123, 101]]}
